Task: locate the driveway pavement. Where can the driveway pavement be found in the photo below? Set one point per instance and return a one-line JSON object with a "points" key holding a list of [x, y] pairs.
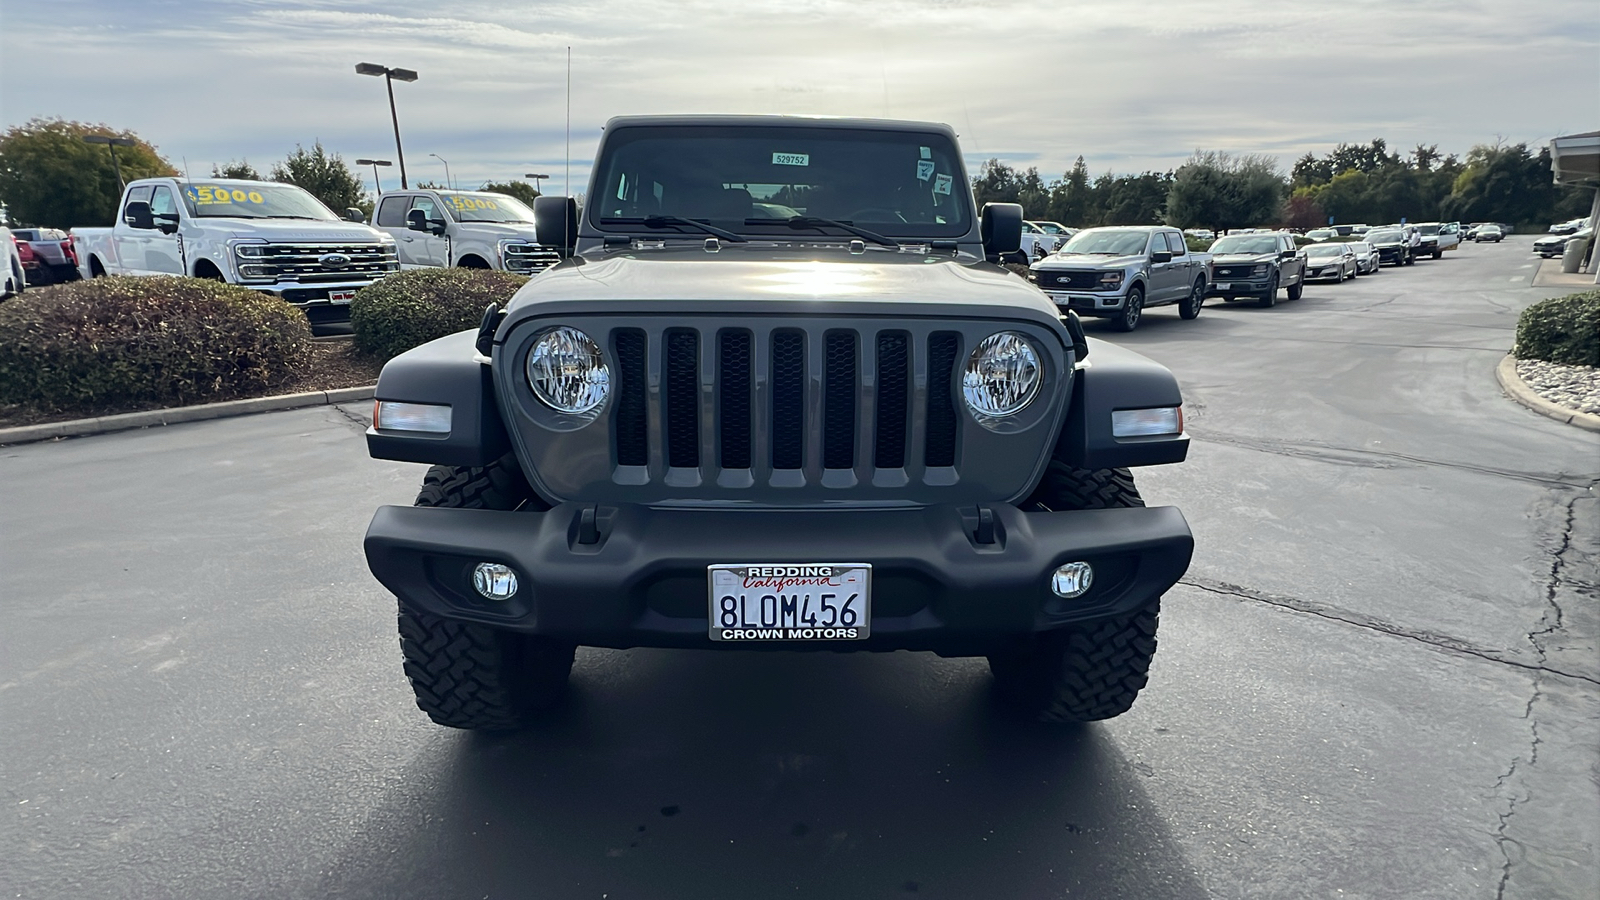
{"points": [[1379, 679]]}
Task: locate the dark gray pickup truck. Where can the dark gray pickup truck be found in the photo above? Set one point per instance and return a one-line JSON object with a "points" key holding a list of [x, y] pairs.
{"points": [[777, 396]]}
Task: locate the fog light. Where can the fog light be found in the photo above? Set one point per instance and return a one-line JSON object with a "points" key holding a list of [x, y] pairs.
{"points": [[494, 581], [1072, 580]]}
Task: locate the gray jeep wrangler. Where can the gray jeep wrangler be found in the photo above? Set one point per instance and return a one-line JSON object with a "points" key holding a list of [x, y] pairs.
{"points": [[777, 396]]}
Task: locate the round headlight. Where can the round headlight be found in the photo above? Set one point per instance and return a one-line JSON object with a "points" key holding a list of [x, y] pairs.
{"points": [[568, 372], [1003, 375]]}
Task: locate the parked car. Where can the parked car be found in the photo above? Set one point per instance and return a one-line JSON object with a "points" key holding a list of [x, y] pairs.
{"points": [[1257, 265], [1036, 242], [1060, 232], [1555, 244], [264, 235], [1201, 234], [14, 280], [1568, 227], [52, 248], [1321, 234], [1331, 262], [1437, 237], [1487, 232], [34, 272], [1117, 273], [1395, 244], [1367, 259], [849, 447], [468, 229]]}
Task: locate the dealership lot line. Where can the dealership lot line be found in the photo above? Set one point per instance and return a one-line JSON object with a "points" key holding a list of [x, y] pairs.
{"points": [[1376, 680]]}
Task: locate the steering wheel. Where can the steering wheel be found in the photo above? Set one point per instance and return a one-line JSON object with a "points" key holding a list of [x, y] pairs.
{"points": [[875, 213]]}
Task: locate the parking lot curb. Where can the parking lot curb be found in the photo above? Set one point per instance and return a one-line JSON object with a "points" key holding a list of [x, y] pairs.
{"points": [[1518, 390], [27, 434]]}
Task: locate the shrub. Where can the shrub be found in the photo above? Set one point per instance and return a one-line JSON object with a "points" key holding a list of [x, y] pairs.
{"points": [[1561, 330], [411, 308], [120, 341]]}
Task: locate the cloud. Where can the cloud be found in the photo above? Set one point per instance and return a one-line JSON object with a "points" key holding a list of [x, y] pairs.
{"points": [[1129, 88]]}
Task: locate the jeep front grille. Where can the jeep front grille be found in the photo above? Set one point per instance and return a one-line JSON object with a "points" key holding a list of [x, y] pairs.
{"points": [[839, 416]]}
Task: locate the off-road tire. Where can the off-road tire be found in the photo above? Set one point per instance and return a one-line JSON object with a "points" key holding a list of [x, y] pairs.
{"points": [[1298, 289], [1132, 310], [1189, 307], [1270, 298], [1091, 670], [472, 676]]}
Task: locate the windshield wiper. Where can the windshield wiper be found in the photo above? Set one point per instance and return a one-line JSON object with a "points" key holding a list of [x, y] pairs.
{"points": [[681, 221], [819, 223]]}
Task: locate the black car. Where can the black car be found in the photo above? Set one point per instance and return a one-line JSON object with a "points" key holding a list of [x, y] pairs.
{"points": [[846, 429], [1257, 265], [1396, 245]]}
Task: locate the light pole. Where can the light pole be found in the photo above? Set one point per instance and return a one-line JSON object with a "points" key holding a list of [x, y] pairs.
{"points": [[375, 163], [112, 143], [389, 77], [537, 180], [447, 180]]}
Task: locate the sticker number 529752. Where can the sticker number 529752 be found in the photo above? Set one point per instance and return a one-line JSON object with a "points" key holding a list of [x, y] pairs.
{"points": [[791, 159]]}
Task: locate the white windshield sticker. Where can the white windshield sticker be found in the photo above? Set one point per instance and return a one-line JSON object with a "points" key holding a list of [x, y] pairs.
{"points": [[791, 159], [924, 169], [926, 153], [942, 183]]}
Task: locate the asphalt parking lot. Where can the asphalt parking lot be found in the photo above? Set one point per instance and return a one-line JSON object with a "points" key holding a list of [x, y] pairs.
{"points": [[1380, 677]]}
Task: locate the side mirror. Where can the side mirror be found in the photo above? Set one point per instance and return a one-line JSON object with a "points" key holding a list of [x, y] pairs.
{"points": [[137, 215], [354, 214], [1288, 254], [1161, 256], [417, 220], [555, 223], [1001, 228]]}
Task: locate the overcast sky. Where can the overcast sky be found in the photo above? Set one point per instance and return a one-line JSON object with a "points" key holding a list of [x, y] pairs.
{"points": [[1129, 85]]}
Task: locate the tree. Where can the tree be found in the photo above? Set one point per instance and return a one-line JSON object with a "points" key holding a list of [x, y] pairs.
{"points": [[1362, 157], [1510, 184], [1310, 170], [240, 169], [325, 175], [1221, 191], [1302, 210], [519, 189], [1071, 198], [996, 183], [50, 177]]}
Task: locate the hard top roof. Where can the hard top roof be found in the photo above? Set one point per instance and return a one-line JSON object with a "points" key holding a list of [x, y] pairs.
{"points": [[778, 122]]}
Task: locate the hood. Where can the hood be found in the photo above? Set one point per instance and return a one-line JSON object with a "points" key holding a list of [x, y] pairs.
{"points": [[692, 279], [1088, 260], [501, 230], [1234, 259], [294, 230]]}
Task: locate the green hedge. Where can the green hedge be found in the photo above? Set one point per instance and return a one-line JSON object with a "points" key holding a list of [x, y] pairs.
{"points": [[1561, 330], [108, 342], [414, 307]]}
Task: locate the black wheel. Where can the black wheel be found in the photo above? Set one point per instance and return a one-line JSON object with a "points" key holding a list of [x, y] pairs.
{"points": [[473, 676], [1132, 310], [1298, 288], [42, 276], [1091, 670], [96, 269], [1438, 254], [1189, 307], [1270, 298]]}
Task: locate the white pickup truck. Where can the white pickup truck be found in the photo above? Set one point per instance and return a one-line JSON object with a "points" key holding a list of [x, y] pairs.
{"points": [[270, 237], [470, 229]]}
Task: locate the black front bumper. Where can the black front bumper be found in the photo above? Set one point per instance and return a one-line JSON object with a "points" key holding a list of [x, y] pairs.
{"points": [[642, 580], [1395, 255]]}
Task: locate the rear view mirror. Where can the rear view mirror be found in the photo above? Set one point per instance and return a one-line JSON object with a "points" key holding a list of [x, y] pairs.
{"points": [[137, 215], [1001, 228], [555, 223]]}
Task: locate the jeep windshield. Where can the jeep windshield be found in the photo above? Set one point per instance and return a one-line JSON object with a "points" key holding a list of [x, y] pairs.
{"points": [[757, 181], [1245, 244], [485, 207], [1107, 242], [247, 200]]}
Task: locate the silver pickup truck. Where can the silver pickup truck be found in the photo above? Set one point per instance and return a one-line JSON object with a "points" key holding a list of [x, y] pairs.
{"points": [[1115, 273]]}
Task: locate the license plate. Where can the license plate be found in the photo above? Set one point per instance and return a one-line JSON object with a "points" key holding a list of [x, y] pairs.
{"points": [[1224, 285], [341, 296], [790, 601]]}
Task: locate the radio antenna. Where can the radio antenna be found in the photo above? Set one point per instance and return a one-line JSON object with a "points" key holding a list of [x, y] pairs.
{"points": [[566, 220], [186, 168]]}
